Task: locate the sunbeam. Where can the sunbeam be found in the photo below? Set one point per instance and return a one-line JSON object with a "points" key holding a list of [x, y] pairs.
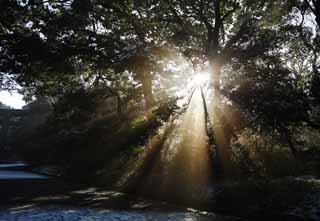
{"points": [[182, 171]]}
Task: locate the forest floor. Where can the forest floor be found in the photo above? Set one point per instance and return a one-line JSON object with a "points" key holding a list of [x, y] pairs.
{"points": [[31, 196], [309, 207], [43, 199], [50, 199]]}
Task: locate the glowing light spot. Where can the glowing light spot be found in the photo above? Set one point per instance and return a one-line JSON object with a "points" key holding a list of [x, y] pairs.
{"points": [[201, 79], [12, 99]]}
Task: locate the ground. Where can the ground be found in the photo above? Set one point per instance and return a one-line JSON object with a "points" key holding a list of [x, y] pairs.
{"points": [[92, 204], [58, 212]]}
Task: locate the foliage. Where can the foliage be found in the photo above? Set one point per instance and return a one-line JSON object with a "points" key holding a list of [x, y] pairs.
{"points": [[103, 62], [81, 143]]}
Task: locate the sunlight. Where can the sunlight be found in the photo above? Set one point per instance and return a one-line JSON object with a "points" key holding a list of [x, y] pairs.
{"points": [[200, 79], [13, 99], [181, 169]]}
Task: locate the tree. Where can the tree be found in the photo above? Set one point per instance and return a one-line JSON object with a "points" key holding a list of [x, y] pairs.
{"points": [[2, 105], [218, 34], [63, 47], [306, 48]]}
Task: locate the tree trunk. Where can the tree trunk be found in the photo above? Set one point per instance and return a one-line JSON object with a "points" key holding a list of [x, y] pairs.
{"points": [[146, 82], [222, 129], [288, 138], [120, 110], [213, 46], [223, 135], [216, 70]]}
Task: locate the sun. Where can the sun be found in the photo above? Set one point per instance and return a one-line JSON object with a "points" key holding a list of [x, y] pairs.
{"points": [[200, 79]]}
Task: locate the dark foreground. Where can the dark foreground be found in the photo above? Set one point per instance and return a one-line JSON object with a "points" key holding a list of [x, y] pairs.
{"points": [[39, 197]]}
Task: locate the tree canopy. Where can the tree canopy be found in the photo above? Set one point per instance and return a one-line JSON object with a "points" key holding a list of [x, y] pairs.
{"points": [[262, 57]]}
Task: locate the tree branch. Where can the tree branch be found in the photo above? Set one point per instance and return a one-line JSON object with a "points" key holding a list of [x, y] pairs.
{"points": [[230, 11], [310, 6]]}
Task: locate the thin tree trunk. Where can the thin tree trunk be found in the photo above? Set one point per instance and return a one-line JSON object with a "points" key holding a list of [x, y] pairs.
{"points": [[216, 69], [288, 138], [214, 160], [223, 140], [120, 111], [147, 91], [222, 129], [222, 135]]}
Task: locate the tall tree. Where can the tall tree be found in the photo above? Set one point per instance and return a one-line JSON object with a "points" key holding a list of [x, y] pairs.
{"points": [[217, 34]]}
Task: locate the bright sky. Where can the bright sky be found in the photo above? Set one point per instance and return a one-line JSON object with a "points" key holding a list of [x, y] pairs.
{"points": [[12, 99]]}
